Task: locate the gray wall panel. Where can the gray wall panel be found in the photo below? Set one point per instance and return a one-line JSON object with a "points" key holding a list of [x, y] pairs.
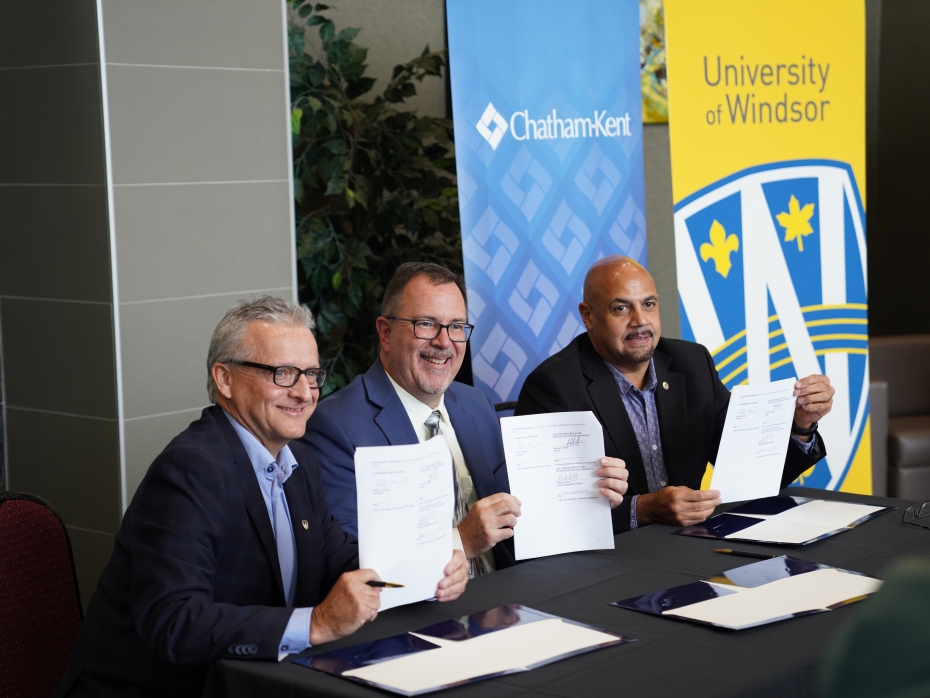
{"points": [[54, 243], [52, 125], [660, 227], [59, 356], [194, 125], [70, 461], [92, 551], [36, 33], [176, 241], [165, 346], [220, 33], [145, 438]]}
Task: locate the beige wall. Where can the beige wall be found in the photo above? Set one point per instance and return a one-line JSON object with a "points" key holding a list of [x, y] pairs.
{"points": [[394, 31]]}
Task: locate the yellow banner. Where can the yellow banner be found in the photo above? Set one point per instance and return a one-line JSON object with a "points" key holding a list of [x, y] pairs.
{"points": [[767, 129], [755, 81]]}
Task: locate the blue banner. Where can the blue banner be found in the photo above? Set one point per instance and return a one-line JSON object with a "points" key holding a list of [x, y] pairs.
{"points": [[548, 139]]}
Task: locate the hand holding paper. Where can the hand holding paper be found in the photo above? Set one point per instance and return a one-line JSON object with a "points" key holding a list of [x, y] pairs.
{"points": [[751, 457], [554, 463]]}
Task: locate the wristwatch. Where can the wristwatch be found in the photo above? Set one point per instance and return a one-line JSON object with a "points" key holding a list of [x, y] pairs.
{"points": [[795, 429]]}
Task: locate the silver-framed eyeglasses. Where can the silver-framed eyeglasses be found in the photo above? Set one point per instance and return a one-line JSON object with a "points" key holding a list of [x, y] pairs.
{"points": [[911, 514], [430, 329], [287, 376]]}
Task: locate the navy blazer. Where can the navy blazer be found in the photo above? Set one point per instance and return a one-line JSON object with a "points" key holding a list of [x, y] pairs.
{"points": [[368, 412], [194, 575], [691, 403]]}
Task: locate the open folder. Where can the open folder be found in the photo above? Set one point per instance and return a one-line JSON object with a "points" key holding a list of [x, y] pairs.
{"points": [[499, 641], [784, 520], [763, 592]]}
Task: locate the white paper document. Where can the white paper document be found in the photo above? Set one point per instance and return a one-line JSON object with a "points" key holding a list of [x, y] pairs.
{"points": [[804, 592], [516, 648], [551, 459], [405, 510], [755, 439], [806, 522]]}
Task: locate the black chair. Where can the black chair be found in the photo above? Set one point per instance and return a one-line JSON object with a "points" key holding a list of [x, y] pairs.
{"points": [[40, 607]]}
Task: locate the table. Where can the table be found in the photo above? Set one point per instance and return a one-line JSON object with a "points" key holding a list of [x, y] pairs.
{"points": [[671, 658]]}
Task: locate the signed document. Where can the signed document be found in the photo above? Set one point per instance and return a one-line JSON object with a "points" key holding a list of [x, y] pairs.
{"points": [[551, 459], [755, 440], [405, 510]]}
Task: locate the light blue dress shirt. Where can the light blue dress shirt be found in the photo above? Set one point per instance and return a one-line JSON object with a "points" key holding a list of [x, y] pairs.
{"points": [[269, 469]]}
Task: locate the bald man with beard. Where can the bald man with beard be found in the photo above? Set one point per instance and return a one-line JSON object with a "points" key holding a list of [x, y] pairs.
{"points": [[660, 401]]}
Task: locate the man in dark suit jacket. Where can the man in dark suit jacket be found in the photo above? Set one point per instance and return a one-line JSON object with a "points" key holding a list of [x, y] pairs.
{"points": [[423, 330], [679, 404], [228, 549]]}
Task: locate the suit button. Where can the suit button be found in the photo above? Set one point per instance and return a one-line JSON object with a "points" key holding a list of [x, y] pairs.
{"points": [[231, 649], [253, 649]]}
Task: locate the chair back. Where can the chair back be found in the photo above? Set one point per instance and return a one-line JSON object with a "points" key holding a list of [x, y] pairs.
{"points": [[40, 608]]}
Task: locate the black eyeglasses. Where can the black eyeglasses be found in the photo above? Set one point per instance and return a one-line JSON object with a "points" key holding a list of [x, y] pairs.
{"points": [[911, 514], [287, 376], [430, 329]]}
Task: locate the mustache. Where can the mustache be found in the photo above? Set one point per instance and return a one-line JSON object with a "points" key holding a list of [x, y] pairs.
{"points": [[438, 354], [637, 334]]}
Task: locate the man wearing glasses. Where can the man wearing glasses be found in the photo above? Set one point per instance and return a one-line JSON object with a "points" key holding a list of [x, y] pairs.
{"points": [[408, 396], [227, 550]]}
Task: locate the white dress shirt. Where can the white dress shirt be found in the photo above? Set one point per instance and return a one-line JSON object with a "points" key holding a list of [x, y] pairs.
{"points": [[418, 414]]}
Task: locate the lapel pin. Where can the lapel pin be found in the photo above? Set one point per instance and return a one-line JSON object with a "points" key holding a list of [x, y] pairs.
{"points": [[665, 384], [305, 524]]}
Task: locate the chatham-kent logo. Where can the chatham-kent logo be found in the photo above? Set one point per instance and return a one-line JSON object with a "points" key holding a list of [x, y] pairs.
{"points": [[492, 126]]}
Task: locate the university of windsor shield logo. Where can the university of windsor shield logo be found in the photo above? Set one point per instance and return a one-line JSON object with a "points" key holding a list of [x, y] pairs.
{"points": [[772, 280]]}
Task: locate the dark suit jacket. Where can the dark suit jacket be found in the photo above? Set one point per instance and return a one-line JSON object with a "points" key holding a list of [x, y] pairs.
{"points": [[368, 412], [194, 575], [691, 412]]}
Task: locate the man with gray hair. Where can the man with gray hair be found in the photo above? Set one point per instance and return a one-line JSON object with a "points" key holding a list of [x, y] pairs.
{"points": [[228, 550]]}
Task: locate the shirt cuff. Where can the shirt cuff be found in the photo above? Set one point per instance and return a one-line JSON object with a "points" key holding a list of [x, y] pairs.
{"points": [[296, 636], [805, 446], [633, 523], [457, 540]]}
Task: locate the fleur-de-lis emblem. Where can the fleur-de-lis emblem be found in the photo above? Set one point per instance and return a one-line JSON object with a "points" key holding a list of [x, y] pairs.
{"points": [[720, 247]]}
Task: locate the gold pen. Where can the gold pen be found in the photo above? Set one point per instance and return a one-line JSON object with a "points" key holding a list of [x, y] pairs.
{"points": [[742, 553], [385, 585]]}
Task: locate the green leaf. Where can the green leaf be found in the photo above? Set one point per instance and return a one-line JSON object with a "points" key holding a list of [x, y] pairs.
{"points": [[327, 30], [449, 192], [334, 186], [305, 10], [337, 281], [296, 115], [319, 7], [354, 294], [350, 197], [347, 34]]}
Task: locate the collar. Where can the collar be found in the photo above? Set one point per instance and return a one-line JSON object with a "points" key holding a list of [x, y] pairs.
{"points": [[416, 410], [623, 383], [264, 464]]}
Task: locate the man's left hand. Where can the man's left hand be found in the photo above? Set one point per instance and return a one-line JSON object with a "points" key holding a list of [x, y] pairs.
{"points": [[815, 400], [613, 485], [453, 584]]}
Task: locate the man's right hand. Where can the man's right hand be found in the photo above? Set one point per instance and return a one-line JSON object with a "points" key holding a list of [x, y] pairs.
{"points": [[349, 605], [679, 506], [488, 522]]}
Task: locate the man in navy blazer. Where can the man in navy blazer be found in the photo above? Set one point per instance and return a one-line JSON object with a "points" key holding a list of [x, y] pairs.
{"points": [[423, 332], [228, 550]]}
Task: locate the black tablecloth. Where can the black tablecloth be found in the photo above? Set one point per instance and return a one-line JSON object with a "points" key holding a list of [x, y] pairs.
{"points": [[671, 658]]}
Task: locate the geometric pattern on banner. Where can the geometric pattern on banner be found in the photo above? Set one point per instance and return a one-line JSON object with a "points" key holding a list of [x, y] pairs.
{"points": [[772, 280], [548, 142]]}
